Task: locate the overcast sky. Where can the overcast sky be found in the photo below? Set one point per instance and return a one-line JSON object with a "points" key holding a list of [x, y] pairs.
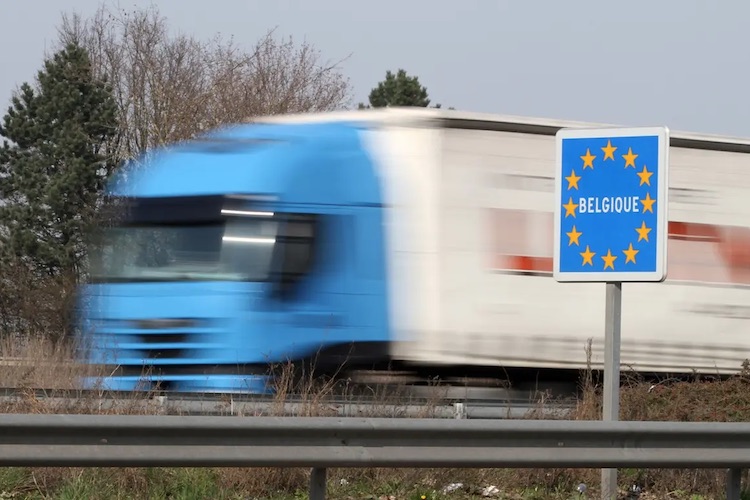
{"points": [[680, 63]]}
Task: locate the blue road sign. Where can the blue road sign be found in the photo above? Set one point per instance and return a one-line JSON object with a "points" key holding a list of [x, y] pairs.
{"points": [[611, 205]]}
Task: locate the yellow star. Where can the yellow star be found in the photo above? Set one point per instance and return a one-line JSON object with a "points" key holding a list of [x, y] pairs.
{"points": [[609, 260], [572, 179], [588, 159], [643, 231], [574, 235], [609, 150], [630, 254], [645, 176], [587, 256], [648, 204], [630, 158], [570, 208]]}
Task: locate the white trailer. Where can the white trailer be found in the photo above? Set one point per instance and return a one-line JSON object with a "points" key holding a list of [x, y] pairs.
{"points": [[470, 226]]}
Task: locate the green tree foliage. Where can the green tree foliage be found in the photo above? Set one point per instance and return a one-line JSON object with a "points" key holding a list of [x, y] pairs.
{"points": [[54, 163], [398, 89]]}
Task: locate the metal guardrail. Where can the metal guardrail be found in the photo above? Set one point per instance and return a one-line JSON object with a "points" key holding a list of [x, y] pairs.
{"points": [[320, 443], [333, 409], [27, 361], [208, 404], [187, 407]]}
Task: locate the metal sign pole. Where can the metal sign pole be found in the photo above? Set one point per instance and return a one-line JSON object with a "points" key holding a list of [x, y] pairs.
{"points": [[611, 218], [611, 403]]}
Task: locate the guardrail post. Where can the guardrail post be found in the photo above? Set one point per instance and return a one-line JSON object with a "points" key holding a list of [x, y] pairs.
{"points": [[459, 411], [318, 484], [734, 484]]}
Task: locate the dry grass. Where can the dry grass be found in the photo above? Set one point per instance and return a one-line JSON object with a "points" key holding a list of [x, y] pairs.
{"points": [[727, 400], [36, 362]]}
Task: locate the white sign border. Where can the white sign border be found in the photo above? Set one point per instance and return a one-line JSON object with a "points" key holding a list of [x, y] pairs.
{"points": [[662, 200]]}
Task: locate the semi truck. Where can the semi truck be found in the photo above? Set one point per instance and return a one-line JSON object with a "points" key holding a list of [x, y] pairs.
{"points": [[396, 238]]}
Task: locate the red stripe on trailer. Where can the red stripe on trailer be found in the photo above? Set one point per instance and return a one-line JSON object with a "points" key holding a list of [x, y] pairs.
{"points": [[712, 253]]}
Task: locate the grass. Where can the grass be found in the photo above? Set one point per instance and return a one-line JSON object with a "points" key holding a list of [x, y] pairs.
{"points": [[699, 400], [39, 363]]}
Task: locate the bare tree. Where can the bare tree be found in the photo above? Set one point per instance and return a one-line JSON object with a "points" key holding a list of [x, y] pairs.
{"points": [[170, 87]]}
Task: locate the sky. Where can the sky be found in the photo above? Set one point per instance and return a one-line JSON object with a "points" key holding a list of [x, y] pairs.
{"points": [[679, 63]]}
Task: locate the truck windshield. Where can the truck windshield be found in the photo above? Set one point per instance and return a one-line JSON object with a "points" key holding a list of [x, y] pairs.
{"points": [[237, 249]]}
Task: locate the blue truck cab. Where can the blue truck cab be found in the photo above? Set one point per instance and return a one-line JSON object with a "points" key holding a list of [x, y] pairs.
{"points": [[253, 245]]}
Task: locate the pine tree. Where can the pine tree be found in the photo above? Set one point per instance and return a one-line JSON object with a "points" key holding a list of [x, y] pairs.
{"points": [[54, 163], [398, 89]]}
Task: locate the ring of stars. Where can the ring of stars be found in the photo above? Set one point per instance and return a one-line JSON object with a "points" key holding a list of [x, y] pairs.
{"points": [[647, 205]]}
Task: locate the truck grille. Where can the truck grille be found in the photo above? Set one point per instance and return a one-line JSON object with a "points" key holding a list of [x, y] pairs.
{"points": [[155, 341], [165, 345]]}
